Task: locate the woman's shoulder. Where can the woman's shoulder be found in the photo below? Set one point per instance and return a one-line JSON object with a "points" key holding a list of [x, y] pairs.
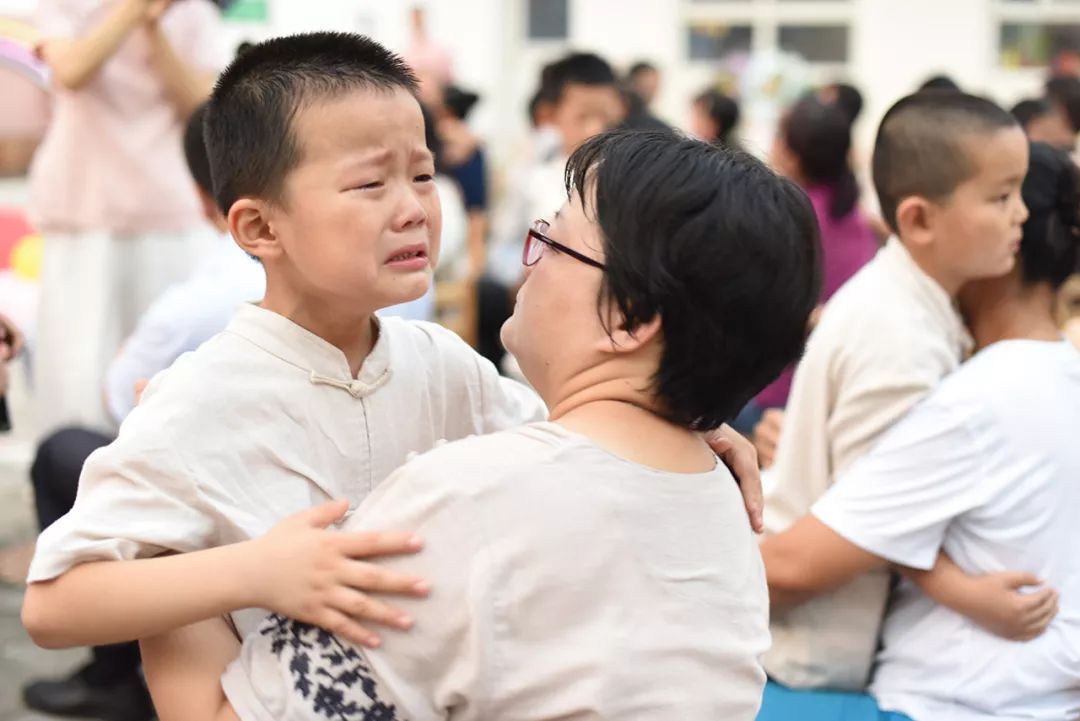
{"points": [[485, 459]]}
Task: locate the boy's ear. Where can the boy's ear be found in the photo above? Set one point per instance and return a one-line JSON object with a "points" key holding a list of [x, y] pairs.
{"points": [[914, 220], [249, 223]]}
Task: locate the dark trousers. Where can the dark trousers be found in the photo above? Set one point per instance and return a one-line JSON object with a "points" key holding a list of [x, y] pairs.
{"points": [[55, 475]]}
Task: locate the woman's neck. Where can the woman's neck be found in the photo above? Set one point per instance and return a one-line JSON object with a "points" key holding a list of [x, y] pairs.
{"points": [[620, 418]]}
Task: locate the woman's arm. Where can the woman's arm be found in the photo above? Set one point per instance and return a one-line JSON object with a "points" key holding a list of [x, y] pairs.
{"points": [[995, 601], [187, 86], [74, 63], [183, 669]]}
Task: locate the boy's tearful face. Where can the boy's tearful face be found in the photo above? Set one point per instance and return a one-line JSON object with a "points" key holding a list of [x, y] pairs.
{"points": [[978, 227], [360, 218]]}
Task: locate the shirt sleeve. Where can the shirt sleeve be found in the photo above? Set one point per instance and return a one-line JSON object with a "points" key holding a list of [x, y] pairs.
{"points": [[432, 671], [136, 499], [505, 403], [496, 403], [897, 502]]}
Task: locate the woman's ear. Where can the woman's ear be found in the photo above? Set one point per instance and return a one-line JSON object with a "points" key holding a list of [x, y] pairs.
{"points": [[624, 340]]}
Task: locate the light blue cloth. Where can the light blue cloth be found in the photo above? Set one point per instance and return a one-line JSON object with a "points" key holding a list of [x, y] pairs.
{"points": [[783, 704]]}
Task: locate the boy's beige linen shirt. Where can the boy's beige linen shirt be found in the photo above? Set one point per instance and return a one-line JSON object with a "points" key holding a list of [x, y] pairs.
{"points": [[265, 420], [885, 340]]}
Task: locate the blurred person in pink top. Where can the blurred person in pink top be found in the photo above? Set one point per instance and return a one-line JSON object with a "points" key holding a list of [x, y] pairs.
{"points": [[109, 188], [430, 61], [813, 148]]}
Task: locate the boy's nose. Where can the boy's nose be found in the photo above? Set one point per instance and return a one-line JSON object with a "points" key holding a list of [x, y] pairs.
{"points": [[411, 213]]}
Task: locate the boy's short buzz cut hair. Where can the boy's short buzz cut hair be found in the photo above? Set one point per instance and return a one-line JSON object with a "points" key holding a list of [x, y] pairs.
{"points": [[924, 145], [249, 133]]}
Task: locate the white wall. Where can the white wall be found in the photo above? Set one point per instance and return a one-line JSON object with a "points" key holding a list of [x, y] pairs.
{"points": [[895, 48], [895, 44]]}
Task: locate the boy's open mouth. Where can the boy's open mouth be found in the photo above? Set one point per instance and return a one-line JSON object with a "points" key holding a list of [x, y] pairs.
{"points": [[412, 252]]}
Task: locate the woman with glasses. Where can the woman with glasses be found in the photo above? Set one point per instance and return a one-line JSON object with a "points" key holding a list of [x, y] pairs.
{"points": [[599, 565]]}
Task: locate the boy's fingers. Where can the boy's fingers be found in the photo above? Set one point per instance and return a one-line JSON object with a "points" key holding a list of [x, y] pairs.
{"points": [[342, 626], [362, 607], [1042, 621], [720, 445], [366, 544], [1047, 604], [376, 579], [1019, 579], [1035, 603], [741, 457], [325, 514]]}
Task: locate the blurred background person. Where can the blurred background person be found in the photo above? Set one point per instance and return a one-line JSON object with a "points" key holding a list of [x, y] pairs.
{"points": [[582, 93], [108, 188], [714, 118], [465, 160], [644, 79], [813, 148]]}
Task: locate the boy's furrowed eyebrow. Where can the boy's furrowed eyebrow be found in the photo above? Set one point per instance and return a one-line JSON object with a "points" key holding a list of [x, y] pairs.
{"points": [[371, 157], [422, 153]]}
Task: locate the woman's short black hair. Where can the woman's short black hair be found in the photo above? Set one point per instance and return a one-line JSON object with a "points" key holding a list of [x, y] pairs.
{"points": [[1050, 250], [723, 249]]}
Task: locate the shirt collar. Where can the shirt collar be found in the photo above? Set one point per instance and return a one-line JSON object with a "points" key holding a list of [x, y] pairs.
{"points": [[323, 362], [936, 299]]}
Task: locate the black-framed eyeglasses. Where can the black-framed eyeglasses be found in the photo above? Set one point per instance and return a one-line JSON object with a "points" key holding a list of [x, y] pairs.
{"points": [[536, 239]]}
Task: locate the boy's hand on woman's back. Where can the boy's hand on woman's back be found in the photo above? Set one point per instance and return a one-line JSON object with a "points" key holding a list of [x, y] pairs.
{"points": [[305, 570], [1012, 604], [741, 458]]}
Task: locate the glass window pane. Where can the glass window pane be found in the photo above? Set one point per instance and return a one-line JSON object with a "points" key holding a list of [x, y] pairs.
{"points": [[548, 20], [816, 43], [713, 40], [1037, 44]]}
